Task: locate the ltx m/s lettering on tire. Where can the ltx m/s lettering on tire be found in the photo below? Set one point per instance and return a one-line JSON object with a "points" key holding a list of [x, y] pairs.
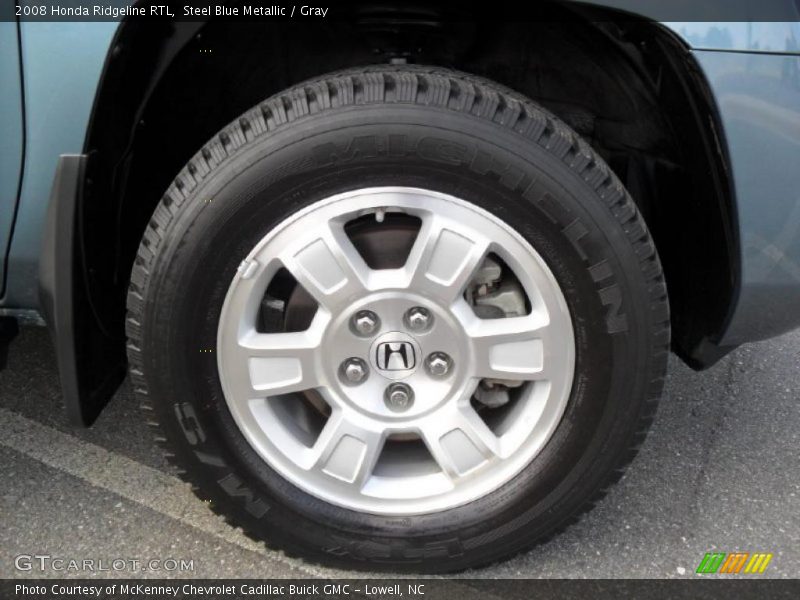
{"points": [[540, 323]]}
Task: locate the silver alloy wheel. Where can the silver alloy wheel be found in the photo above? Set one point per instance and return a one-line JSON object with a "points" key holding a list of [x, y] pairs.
{"points": [[466, 458]]}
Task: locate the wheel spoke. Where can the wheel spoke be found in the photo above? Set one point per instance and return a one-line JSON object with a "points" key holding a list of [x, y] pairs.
{"points": [[346, 451], [460, 441], [511, 348], [329, 267], [281, 363], [443, 260]]}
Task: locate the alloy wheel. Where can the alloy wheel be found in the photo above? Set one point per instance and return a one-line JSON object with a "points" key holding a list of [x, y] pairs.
{"points": [[409, 389]]}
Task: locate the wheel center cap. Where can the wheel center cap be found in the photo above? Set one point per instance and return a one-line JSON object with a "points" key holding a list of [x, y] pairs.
{"points": [[395, 355]]}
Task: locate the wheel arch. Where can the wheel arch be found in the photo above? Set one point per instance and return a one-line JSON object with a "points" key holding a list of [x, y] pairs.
{"points": [[166, 90]]}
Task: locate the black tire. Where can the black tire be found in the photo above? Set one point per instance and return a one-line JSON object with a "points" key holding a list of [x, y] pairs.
{"points": [[420, 127]]}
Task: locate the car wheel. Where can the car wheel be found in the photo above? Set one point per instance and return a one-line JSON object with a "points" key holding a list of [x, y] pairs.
{"points": [[398, 318]]}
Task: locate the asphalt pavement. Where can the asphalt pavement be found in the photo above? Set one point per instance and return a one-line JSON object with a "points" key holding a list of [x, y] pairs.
{"points": [[719, 472]]}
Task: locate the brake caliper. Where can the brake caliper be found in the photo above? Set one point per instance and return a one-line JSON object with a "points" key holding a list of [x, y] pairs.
{"points": [[495, 296]]}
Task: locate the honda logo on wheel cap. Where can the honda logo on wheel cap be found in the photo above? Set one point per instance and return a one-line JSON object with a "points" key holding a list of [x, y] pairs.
{"points": [[395, 355]]}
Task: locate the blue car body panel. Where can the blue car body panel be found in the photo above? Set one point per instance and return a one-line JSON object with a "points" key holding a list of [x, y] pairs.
{"points": [[776, 37], [751, 68], [11, 133], [758, 96], [62, 64]]}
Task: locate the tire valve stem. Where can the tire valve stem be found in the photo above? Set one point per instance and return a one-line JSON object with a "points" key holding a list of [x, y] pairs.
{"points": [[380, 215], [247, 268]]}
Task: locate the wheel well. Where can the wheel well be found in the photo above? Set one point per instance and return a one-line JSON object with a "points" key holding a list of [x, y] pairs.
{"points": [[627, 86]]}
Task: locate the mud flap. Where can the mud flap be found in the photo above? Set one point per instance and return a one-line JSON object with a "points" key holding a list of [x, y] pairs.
{"points": [[90, 365]]}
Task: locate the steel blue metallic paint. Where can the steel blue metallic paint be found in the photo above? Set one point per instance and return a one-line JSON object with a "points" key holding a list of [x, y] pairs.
{"points": [[736, 25], [776, 37], [62, 63], [758, 96], [743, 25], [11, 134]]}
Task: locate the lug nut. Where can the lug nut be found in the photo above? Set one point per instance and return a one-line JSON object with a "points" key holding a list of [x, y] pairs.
{"points": [[438, 364], [399, 397], [418, 318], [354, 371], [365, 322]]}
